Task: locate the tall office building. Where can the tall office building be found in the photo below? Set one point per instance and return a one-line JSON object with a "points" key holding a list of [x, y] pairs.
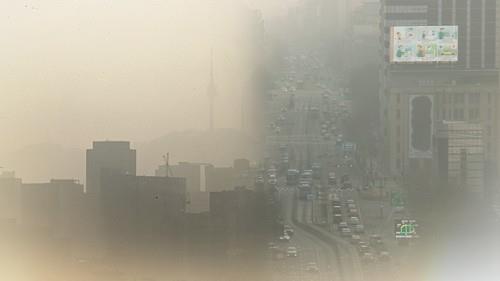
{"points": [[108, 155], [445, 70]]}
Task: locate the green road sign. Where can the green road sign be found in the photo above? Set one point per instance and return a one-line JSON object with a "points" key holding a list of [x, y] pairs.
{"points": [[397, 199], [406, 229]]}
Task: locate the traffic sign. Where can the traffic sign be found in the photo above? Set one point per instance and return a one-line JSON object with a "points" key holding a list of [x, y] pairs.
{"points": [[397, 199]]}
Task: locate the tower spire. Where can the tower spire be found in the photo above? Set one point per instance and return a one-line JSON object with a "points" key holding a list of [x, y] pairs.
{"points": [[212, 91]]}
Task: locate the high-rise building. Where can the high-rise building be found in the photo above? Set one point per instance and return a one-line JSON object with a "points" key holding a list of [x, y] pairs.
{"points": [[115, 156], [444, 70]]}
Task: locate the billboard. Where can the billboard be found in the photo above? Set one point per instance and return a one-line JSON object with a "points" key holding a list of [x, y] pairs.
{"points": [[413, 44], [421, 126]]}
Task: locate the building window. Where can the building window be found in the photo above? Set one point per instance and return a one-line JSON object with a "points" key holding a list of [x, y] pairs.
{"points": [[474, 98], [458, 115], [459, 98], [474, 114], [405, 9]]}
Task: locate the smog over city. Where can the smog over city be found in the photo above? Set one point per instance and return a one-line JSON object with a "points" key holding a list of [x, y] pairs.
{"points": [[250, 140]]}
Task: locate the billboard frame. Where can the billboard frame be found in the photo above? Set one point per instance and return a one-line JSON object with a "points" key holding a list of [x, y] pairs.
{"points": [[392, 42]]}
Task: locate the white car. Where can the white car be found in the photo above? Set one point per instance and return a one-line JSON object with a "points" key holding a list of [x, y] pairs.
{"points": [[353, 220], [291, 252], [312, 267], [355, 239], [346, 232], [359, 228], [367, 257], [285, 238]]}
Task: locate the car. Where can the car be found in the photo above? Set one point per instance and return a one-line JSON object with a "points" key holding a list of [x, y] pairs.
{"points": [[272, 246], [337, 209], [399, 209], [312, 267], [337, 218], [355, 239], [384, 256], [291, 252], [346, 232], [259, 181], [345, 178], [367, 258], [343, 224], [363, 249], [374, 239], [289, 231], [378, 244], [346, 185], [284, 238], [332, 178], [272, 181], [359, 228], [354, 221], [353, 212]]}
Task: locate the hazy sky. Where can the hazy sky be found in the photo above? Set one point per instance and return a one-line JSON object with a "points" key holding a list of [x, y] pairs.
{"points": [[77, 70]]}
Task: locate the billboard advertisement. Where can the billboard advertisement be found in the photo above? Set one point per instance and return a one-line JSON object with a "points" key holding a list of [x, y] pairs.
{"points": [[413, 44], [421, 126]]}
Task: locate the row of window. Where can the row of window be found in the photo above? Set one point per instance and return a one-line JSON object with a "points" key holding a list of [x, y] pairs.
{"points": [[459, 98], [407, 9]]}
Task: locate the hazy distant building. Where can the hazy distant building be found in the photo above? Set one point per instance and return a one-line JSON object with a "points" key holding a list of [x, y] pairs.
{"points": [[139, 209], [9, 199], [196, 183], [415, 96], [202, 178], [115, 156], [54, 208]]}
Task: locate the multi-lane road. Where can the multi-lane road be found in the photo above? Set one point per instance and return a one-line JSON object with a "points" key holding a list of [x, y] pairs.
{"points": [[299, 132]]}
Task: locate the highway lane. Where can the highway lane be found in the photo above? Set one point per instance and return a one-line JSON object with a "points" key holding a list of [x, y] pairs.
{"points": [[310, 249]]}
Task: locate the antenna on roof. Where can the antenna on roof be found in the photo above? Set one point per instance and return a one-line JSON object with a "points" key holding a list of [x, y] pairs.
{"points": [[168, 172]]}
